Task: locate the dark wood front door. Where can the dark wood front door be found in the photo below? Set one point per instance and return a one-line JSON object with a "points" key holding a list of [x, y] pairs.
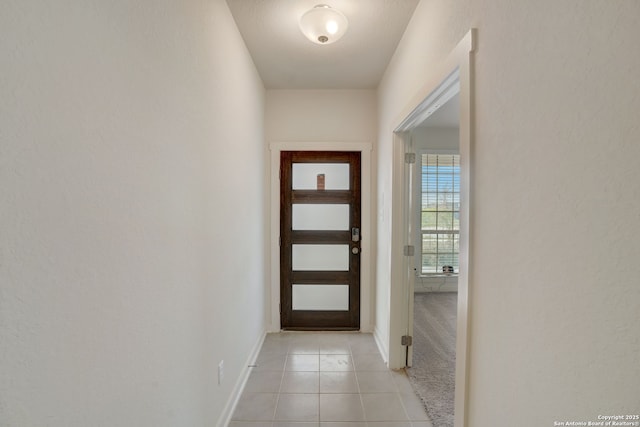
{"points": [[320, 240]]}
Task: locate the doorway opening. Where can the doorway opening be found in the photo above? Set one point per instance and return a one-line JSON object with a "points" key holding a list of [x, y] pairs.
{"points": [[435, 197], [410, 234]]}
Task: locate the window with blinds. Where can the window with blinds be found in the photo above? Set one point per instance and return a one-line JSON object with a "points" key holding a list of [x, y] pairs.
{"points": [[440, 213]]}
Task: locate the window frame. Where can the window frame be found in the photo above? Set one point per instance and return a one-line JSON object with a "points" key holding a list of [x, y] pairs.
{"points": [[418, 212]]}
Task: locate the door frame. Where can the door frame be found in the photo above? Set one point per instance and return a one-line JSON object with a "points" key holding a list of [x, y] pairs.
{"points": [[273, 292], [459, 65], [319, 319]]}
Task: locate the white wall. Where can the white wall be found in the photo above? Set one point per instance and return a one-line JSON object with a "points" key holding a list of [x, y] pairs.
{"points": [[129, 266], [435, 138], [321, 115], [308, 118], [554, 280]]}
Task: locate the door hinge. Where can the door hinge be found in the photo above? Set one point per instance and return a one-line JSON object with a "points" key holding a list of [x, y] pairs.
{"points": [[406, 340], [410, 158], [409, 250]]}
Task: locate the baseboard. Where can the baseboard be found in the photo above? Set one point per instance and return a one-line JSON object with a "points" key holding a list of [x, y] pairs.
{"points": [[436, 284], [232, 402], [382, 348], [434, 289]]}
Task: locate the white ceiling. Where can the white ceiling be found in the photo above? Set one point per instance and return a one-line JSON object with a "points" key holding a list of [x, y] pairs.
{"points": [[285, 58], [447, 116]]}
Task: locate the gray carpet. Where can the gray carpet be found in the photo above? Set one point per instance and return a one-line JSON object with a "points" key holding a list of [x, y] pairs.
{"points": [[434, 354]]}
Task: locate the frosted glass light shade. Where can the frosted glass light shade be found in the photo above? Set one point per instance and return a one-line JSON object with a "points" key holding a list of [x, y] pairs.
{"points": [[323, 25]]}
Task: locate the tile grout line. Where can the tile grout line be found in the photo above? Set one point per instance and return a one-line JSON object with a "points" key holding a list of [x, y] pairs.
{"points": [[355, 375], [284, 370], [317, 386]]}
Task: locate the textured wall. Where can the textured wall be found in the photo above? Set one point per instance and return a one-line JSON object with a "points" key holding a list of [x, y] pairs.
{"points": [[123, 249], [554, 281]]}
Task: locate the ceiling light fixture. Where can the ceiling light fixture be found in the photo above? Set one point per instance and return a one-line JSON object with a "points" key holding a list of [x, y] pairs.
{"points": [[323, 24]]}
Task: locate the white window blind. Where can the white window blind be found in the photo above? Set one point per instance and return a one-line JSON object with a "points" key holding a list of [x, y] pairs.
{"points": [[440, 213]]}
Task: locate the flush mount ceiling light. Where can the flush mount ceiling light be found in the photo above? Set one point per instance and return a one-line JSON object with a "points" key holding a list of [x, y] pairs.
{"points": [[323, 24]]}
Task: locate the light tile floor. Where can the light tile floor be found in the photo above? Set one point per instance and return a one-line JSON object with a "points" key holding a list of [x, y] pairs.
{"points": [[325, 379]]}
